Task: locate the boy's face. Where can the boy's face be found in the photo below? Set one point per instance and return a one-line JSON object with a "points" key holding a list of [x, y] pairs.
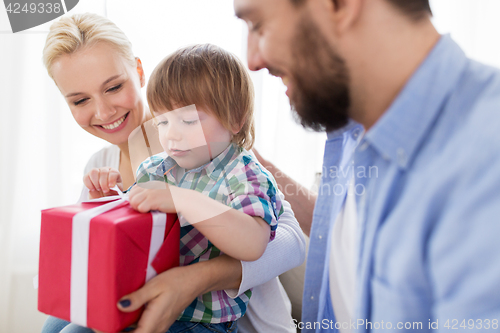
{"points": [[191, 137]]}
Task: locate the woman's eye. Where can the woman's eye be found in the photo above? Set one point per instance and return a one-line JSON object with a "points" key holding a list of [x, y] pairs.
{"points": [[80, 101], [190, 122], [115, 88], [162, 123]]}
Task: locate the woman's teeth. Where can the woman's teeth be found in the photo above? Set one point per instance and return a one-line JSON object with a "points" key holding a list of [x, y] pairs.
{"points": [[115, 124]]}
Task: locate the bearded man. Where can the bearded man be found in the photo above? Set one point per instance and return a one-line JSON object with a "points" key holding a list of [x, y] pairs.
{"points": [[412, 245]]}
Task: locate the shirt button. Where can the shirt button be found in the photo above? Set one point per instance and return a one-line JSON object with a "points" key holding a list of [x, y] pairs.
{"points": [[320, 237], [356, 133], [312, 298]]}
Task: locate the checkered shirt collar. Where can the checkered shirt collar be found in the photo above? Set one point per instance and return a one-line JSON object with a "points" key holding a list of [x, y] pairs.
{"points": [[213, 168]]}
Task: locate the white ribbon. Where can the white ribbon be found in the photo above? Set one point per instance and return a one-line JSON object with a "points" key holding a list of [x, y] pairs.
{"points": [[80, 251], [157, 235]]}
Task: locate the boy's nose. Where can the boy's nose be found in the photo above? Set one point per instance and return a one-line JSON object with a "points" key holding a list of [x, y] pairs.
{"points": [[173, 134]]}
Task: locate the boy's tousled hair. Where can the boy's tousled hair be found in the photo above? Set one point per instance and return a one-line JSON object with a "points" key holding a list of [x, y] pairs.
{"points": [[211, 78]]}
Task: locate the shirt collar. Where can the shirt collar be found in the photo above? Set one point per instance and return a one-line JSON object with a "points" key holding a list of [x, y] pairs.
{"points": [[398, 134], [352, 127], [213, 168]]}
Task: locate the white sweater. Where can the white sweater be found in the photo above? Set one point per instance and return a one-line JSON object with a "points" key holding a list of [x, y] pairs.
{"points": [[269, 308]]}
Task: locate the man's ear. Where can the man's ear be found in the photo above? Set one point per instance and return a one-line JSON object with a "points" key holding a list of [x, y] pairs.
{"points": [[140, 71], [342, 13], [347, 13]]}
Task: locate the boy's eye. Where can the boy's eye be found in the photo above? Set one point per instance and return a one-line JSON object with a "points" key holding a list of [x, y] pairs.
{"points": [[164, 122], [80, 101], [114, 88], [190, 122]]}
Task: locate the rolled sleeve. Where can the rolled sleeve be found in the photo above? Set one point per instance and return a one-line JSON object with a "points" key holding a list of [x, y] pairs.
{"points": [[254, 193]]}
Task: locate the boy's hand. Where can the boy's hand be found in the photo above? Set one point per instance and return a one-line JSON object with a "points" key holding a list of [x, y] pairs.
{"points": [[99, 181], [154, 195]]}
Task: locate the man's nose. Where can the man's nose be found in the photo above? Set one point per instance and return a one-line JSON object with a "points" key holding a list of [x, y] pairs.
{"points": [[254, 56], [103, 111]]}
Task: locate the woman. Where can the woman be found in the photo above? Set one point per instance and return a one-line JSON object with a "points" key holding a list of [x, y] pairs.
{"points": [[92, 63]]}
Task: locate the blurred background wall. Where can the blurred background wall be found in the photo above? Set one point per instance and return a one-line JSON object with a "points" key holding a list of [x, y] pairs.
{"points": [[43, 151]]}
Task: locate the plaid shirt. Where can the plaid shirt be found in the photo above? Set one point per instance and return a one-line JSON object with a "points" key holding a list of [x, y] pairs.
{"points": [[233, 178]]}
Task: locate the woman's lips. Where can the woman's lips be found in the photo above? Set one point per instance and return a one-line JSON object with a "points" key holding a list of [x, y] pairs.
{"points": [[115, 126]]}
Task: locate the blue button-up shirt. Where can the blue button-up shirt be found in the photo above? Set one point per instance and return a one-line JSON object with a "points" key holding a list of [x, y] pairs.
{"points": [[429, 210]]}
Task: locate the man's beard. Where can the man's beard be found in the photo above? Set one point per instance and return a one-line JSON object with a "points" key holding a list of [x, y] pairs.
{"points": [[321, 96]]}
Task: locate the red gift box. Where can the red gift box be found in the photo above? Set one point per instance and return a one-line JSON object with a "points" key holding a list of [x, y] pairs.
{"points": [[90, 259]]}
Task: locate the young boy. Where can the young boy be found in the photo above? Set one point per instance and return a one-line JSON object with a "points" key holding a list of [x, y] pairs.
{"points": [[202, 100]]}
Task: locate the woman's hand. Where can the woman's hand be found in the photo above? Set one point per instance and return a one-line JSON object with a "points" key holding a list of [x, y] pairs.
{"points": [[165, 297], [99, 181], [170, 292]]}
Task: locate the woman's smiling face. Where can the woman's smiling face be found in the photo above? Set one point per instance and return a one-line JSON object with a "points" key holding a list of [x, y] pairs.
{"points": [[102, 90]]}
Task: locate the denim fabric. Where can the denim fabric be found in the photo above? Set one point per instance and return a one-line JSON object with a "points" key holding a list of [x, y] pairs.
{"points": [[56, 325], [73, 328], [187, 326]]}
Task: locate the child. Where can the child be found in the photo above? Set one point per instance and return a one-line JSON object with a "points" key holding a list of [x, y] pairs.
{"points": [[202, 100]]}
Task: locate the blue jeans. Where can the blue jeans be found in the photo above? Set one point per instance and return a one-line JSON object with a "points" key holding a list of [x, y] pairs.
{"points": [[187, 326], [56, 325]]}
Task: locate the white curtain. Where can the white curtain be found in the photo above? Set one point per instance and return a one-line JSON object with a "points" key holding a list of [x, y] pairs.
{"points": [[43, 151]]}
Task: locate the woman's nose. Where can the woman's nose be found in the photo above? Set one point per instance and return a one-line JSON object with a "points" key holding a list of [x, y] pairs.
{"points": [[103, 111]]}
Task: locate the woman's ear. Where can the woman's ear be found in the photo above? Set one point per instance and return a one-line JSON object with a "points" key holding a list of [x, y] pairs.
{"points": [[140, 71]]}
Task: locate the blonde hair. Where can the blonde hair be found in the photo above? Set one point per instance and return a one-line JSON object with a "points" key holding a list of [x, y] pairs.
{"points": [[75, 32], [210, 77]]}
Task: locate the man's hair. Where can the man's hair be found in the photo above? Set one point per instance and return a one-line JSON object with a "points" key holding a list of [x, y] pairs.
{"points": [[208, 77], [415, 9]]}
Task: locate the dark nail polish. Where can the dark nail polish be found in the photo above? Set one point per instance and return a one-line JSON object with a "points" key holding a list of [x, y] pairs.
{"points": [[125, 303]]}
